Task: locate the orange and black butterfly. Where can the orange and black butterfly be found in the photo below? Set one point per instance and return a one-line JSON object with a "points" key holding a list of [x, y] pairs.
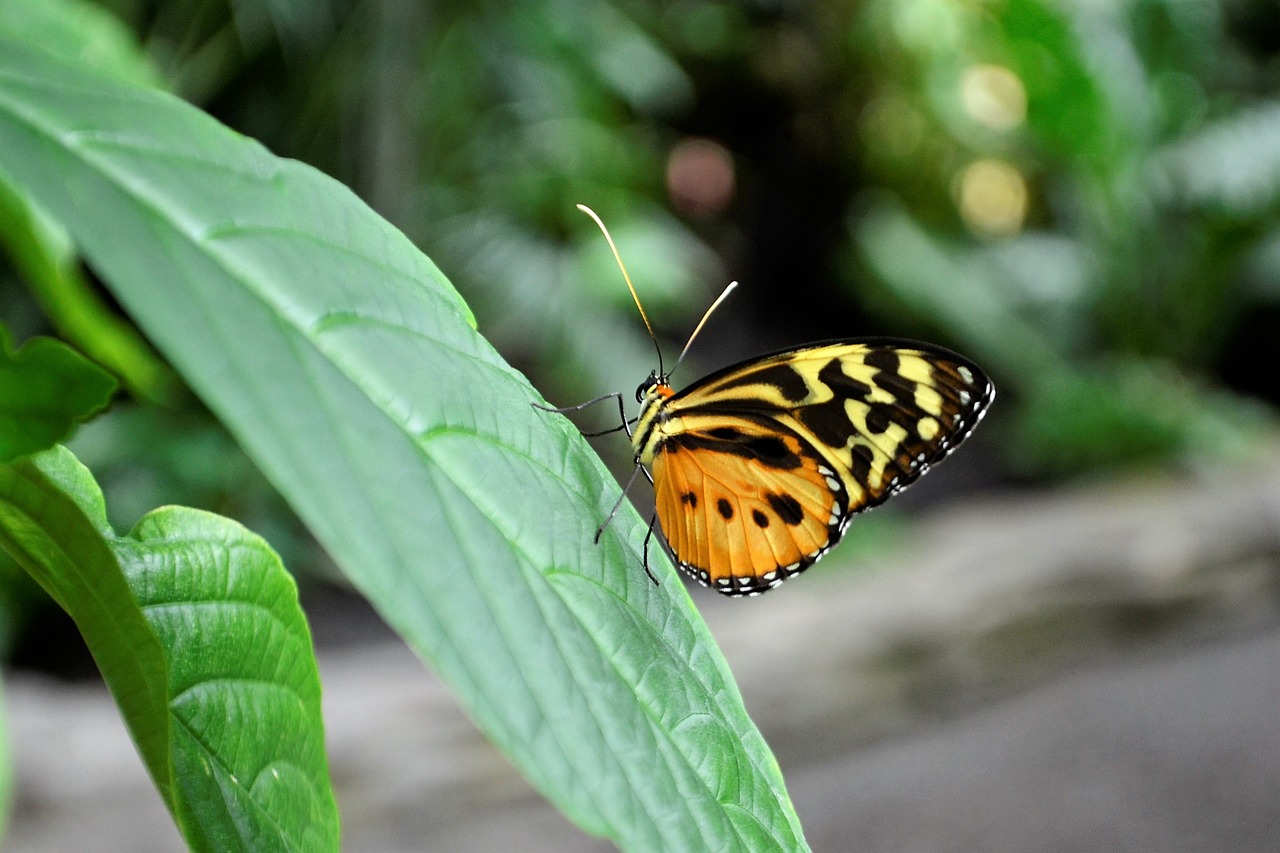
{"points": [[758, 468]]}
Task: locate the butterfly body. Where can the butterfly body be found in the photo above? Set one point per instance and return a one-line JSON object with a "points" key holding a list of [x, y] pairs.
{"points": [[758, 468]]}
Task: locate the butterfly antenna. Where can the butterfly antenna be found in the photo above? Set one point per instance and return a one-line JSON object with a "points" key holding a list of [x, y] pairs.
{"points": [[617, 257], [714, 305]]}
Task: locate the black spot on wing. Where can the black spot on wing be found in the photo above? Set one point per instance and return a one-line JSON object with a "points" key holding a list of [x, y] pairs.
{"points": [[860, 462], [725, 508], [842, 384], [880, 417], [828, 422], [690, 498], [759, 518], [883, 359], [787, 508]]}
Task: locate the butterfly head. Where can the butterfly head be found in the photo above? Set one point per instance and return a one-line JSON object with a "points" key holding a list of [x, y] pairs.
{"points": [[654, 389], [653, 381]]}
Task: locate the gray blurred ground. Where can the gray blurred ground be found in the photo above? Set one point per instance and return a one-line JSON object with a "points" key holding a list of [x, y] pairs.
{"points": [[1089, 670]]}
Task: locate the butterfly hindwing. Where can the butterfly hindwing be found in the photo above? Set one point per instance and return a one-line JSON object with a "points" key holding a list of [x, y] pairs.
{"points": [[744, 506], [800, 440]]}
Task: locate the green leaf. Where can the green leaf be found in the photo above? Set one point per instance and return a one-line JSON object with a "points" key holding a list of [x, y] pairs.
{"points": [[43, 254], [196, 628], [39, 248], [45, 389], [350, 370], [80, 31]]}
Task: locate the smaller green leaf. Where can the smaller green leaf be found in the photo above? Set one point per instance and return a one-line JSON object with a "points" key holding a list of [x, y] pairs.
{"points": [[196, 627], [244, 694], [45, 257], [45, 389]]}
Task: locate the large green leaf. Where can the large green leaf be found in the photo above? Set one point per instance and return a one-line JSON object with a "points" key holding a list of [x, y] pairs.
{"points": [[45, 389], [195, 625], [349, 368]]}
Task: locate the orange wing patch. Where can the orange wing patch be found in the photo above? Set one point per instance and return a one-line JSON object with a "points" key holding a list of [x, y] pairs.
{"points": [[742, 524]]}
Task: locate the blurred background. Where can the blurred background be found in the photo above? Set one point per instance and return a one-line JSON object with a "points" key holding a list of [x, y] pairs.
{"points": [[1083, 197]]}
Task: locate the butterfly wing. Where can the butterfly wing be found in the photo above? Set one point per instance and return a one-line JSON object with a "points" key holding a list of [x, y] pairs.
{"points": [[758, 468], [744, 512]]}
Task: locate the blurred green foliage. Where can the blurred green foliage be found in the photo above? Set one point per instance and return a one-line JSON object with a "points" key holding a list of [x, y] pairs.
{"points": [[1083, 197], [1100, 182]]}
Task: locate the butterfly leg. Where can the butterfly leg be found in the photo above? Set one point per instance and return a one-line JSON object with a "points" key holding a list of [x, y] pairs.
{"points": [[625, 425], [653, 520], [618, 503], [622, 414]]}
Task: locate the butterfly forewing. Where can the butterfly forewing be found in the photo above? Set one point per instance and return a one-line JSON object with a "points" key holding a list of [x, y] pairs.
{"points": [[759, 467]]}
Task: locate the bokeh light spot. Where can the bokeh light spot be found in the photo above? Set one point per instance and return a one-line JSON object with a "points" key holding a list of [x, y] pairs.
{"points": [[993, 96], [992, 195], [700, 177]]}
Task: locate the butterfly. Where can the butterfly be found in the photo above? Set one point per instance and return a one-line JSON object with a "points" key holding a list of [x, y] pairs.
{"points": [[759, 467]]}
